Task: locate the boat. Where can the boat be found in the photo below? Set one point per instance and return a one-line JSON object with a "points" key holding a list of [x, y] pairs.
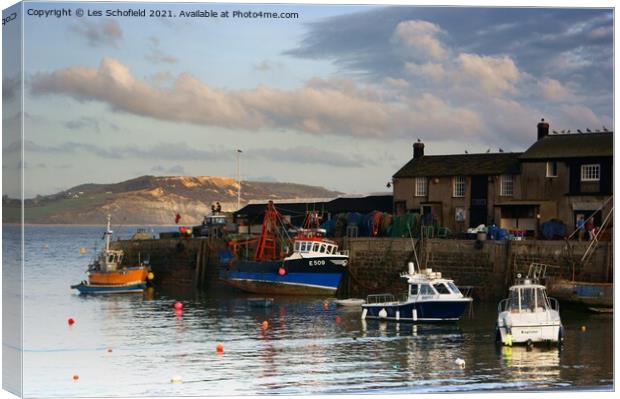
{"points": [[313, 266], [528, 315], [582, 292], [107, 275], [350, 302], [429, 298]]}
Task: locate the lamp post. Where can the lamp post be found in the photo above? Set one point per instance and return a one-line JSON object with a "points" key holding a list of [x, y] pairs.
{"points": [[238, 181]]}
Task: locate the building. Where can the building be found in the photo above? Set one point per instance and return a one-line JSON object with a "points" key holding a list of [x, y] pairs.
{"points": [[561, 176]]}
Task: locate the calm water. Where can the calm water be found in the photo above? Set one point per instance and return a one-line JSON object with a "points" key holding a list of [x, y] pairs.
{"points": [[307, 349]]}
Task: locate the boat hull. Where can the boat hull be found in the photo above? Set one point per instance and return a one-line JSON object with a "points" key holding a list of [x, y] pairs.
{"points": [[133, 275], [85, 288], [590, 294], [299, 276], [529, 328], [418, 311]]}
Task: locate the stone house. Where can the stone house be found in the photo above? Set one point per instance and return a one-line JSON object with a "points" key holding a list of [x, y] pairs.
{"points": [[561, 176]]}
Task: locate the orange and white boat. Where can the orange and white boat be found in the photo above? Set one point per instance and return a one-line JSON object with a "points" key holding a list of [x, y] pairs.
{"points": [[108, 275]]}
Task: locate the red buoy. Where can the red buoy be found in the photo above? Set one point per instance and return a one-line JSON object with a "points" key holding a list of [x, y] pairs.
{"points": [[178, 305], [338, 319], [219, 348], [71, 321], [76, 377], [265, 325], [281, 271]]}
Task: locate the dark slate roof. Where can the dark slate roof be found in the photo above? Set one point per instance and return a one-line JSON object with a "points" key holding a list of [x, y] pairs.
{"points": [[383, 203], [461, 165], [571, 146]]}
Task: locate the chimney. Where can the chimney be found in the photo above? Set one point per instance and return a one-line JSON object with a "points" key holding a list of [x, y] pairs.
{"points": [[418, 150], [543, 129]]}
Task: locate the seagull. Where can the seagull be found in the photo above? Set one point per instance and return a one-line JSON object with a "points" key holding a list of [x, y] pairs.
{"points": [[466, 152], [488, 150], [579, 131], [388, 185], [500, 150], [568, 131], [563, 131], [605, 129], [460, 362], [419, 141], [554, 132], [588, 130]]}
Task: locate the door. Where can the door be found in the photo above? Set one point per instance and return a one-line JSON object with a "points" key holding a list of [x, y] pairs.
{"points": [[478, 205]]}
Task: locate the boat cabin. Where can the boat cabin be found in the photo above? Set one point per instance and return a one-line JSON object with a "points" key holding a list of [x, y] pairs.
{"points": [[110, 260], [431, 289], [312, 247], [528, 298]]}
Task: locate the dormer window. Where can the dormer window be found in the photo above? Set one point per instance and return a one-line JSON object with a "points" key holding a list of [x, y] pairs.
{"points": [[591, 172]]}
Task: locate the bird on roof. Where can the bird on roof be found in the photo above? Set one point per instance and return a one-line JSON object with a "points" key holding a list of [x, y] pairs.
{"points": [[598, 130], [568, 131], [579, 131], [588, 130], [388, 185], [500, 150], [554, 132], [466, 152], [605, 129], [563, 131], [488, 150], [419, 141]]}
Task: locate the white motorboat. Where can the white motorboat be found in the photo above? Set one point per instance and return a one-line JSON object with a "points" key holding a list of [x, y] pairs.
{"points": [[528, 315]]}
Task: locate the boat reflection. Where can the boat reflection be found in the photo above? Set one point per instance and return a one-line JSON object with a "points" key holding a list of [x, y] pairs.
{"points": [[535, 364], [368, 327]]}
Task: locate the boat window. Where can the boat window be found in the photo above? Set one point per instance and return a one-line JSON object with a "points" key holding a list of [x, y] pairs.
{"points": [[413, 289], [303, 246], [541, 300], [111, 258], [527, 299], [316, 247], [454, 288], [322, 248], [297, 246], [441, 288], [426, 289]]}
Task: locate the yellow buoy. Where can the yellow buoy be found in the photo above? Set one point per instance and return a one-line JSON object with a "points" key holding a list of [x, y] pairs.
{"points": [[176, 380], [583, 328], [508, 341], [150, 276], [82, 250]]}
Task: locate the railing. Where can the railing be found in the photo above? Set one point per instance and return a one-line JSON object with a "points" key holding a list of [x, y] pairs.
{"points": [[343, 252], [555, 305], [380, 298], [502, 305]]}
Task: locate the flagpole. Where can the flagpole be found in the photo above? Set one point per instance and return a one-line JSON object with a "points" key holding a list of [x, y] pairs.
{"points": [[238, 181]]}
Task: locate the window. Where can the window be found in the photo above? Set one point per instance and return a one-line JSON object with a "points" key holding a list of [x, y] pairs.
{"points": [[507, 185], [426, 289], [590, 172], [297, 246], [316, 247], [552, 169], [322, 250], [413, 290], [420, 186], [441, 288], [454, 288], [459, 186]]}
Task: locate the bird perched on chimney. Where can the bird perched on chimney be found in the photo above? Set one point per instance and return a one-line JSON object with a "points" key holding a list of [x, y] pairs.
{"points": [[588, 130], [419, 141], [466, 152], [488, 150], [500, 150], [579, 131]]}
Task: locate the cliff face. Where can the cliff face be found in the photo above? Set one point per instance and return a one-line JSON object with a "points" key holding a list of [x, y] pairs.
{"points": [[151, 200]]}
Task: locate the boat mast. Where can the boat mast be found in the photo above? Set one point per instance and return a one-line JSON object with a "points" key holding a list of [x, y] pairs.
{"points": [[108, 234]]}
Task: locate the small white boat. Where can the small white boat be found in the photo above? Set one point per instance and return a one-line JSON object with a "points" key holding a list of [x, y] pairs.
{"points": [[528, 315], [350, 302]]}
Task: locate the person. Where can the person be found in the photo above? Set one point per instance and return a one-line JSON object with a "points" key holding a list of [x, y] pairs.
{"points": [[590, 229], [581, 227], [212, 208], [218, 207]]}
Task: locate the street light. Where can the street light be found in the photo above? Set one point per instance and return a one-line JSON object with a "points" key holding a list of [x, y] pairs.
{"points": [[238, 182]]}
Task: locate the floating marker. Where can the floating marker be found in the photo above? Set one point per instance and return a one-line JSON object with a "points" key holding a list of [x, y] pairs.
{"points": [[338, 319], [82, 250], [583, 328], [219, 348], [265, 325], [281, 271], [178, 305], [71, 321], [76, 377], [176, 380], [460, 362], [150, 276], [109, 350], [325, 305]]}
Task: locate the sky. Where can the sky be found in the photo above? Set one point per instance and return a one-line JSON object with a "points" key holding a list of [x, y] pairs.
{"points": [[334, 98]]}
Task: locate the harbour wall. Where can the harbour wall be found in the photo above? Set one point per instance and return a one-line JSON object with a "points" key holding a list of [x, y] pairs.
{"points": [[487, 267]]}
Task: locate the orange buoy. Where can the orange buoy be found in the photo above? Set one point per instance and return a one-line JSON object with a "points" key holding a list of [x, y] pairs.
{"points": [[82, 250], [76, 377], [265, 325], [178, 305], [583, 328], [338, 319], [71, 321], [219, 348], [109, 350]]}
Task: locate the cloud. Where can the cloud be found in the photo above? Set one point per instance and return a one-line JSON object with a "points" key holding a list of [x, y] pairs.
{"points": [[493, 74], [102, 33], [83, 123], [311, 156], [433, 71], [156, 56], [10, 87], [420, 37], [553, 90], [173, 170]]}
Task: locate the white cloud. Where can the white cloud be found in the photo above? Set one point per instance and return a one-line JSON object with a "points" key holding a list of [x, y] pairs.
{"points": [[553, 90], [420, 37], [492, 74], [434, 71], [105, 32]]}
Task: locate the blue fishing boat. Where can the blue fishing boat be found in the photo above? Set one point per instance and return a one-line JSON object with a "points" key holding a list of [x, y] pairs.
{"points": [[430, 298], [314, 265]]}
